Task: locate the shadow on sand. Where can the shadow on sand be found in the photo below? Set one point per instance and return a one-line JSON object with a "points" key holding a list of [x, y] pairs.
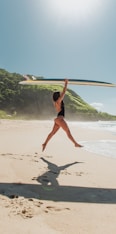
{"points": [[49, 189]]}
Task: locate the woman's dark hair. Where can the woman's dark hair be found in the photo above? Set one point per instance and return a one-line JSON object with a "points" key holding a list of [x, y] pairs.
{"points": [[56, 95]]}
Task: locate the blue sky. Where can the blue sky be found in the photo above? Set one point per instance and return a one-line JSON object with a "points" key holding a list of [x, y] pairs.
{"points": [[62, 38]]}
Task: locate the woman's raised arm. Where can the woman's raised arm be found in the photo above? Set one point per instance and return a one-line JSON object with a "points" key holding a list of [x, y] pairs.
{"points": [[64, 89]]}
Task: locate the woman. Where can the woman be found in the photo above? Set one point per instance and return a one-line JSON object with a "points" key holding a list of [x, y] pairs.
{"points": [[59, 120]]}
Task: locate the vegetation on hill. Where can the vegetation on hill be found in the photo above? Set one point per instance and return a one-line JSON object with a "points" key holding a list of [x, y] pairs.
{"points": [[35, 102]]}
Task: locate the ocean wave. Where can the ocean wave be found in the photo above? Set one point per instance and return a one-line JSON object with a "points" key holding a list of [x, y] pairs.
{"points": [[98, 125], [101, 147]]}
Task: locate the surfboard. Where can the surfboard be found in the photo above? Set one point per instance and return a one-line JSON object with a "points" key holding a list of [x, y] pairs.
{"points": [[60, 81]]}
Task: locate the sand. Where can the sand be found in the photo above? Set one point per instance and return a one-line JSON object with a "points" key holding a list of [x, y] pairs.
{"points": [[61, 190]]}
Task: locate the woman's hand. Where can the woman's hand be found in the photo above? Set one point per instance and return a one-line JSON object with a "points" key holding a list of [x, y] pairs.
{"points": [[66, 81]]}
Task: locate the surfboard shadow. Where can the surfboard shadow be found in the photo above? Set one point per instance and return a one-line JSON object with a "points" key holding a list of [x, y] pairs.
{"points": [[59, 193]]}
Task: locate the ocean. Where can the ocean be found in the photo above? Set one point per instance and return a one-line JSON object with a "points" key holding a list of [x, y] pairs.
{"points": [[102, 147]]}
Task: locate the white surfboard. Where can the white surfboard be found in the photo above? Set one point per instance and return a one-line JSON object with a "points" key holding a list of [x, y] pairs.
{"points": [[56, 81]]}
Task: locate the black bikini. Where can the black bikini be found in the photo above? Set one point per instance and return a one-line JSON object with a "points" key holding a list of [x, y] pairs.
{"points": [[62, 112]]}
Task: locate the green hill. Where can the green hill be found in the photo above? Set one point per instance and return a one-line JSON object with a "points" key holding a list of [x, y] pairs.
{"points": [[35, 102]]}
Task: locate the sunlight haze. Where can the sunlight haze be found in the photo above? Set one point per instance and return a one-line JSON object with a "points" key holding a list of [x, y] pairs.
{"points": [[75, 39], [74, 10]]}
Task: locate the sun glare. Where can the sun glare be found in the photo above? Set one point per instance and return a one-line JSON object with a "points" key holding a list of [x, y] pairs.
{"points": [[75, 9]]}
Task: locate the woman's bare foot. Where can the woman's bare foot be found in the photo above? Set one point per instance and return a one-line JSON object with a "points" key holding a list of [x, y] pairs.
{"points": [[78, 145], [43, 146]]}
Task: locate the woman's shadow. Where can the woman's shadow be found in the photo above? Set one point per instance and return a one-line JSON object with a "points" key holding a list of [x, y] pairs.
{"points": [[49, 178]]}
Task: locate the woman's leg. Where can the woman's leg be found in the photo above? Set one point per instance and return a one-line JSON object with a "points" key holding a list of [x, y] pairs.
{"points": [[62, 123], [50, 135]]}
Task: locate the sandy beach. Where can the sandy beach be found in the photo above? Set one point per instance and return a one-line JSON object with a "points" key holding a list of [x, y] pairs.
{"points": [[61, 190]]}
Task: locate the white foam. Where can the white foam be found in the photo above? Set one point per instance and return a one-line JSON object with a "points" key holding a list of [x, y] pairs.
{"points": [[101, 147]]}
